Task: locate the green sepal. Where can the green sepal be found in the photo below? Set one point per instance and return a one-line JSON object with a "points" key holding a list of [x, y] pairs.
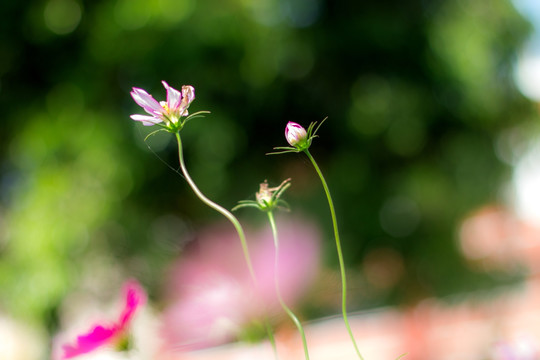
{"points": [[246, 203], [285, 150], [198, 114], [153, 133]]}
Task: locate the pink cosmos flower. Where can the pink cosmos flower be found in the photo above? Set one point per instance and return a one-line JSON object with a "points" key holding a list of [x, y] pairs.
{"points": [[114, 334], [169, 111], [295, 134], [210, 295]]}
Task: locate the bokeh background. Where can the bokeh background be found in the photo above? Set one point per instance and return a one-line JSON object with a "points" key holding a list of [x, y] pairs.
{"points": [[425, 126]]}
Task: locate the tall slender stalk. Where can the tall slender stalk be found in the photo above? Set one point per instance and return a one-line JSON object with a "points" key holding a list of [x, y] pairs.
{"points": [[216, 207], [289, 312], [229, 217], [339, 252]]}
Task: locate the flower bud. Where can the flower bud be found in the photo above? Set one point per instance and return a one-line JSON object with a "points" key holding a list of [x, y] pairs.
{"points": [[264, 196], [296, 135]]}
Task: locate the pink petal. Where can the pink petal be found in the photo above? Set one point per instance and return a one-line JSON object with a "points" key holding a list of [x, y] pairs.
{"points": [[97, 337], [146, 120], [173, 97], [135, 297], [188, 95], [147, 102], [294, 133], [293, 128], [299, 260], [210, 291]]}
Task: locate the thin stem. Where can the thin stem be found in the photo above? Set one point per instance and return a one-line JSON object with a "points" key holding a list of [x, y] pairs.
{"points": [[339, 252], [232, 219], [276, 283], [216, 207], [271, 338]]}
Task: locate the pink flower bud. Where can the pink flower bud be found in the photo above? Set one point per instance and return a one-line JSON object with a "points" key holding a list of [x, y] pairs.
{"points": [[295, 134]]}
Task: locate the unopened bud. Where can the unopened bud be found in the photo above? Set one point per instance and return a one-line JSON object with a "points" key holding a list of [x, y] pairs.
{"points": [[296, 135]]}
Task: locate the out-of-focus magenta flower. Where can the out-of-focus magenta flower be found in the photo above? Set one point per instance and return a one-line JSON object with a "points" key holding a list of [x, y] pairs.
{"points": [[210, 294], [295, 134], [167, 112], [115, 334]]}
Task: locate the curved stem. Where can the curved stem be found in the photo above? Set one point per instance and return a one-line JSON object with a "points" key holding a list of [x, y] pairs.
{"points": [[232, 219], [276, 283], [339, 252], [216, 207]]}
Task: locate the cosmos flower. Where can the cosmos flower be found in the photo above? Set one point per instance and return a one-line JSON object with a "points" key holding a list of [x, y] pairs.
{"points": [[116, 334], [167, 114]]}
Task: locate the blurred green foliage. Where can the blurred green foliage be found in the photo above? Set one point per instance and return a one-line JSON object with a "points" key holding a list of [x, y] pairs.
{"points": [[416, 93]]}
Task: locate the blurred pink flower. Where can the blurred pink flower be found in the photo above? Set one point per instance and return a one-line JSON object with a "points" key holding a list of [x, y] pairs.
{"points": [[495, 238], [211, 295], [521, 347], [168, 111], [115, 334]]}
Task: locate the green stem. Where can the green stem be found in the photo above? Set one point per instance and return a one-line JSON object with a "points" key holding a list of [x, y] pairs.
{"points": [[339, 252], [216, 207], [276, 283], [271, 338], [231, 218]]}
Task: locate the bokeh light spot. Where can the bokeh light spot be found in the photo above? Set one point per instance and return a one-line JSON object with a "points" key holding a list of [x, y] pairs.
{"points": [[175, 11], [302, 13], [400, 216], [527, 75], [265, 12], [62, 16], [527, 180], [132, 14], [383, 267]]}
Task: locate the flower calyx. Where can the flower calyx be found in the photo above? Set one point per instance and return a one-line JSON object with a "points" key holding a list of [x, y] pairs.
{"points": [[267, 198]]}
